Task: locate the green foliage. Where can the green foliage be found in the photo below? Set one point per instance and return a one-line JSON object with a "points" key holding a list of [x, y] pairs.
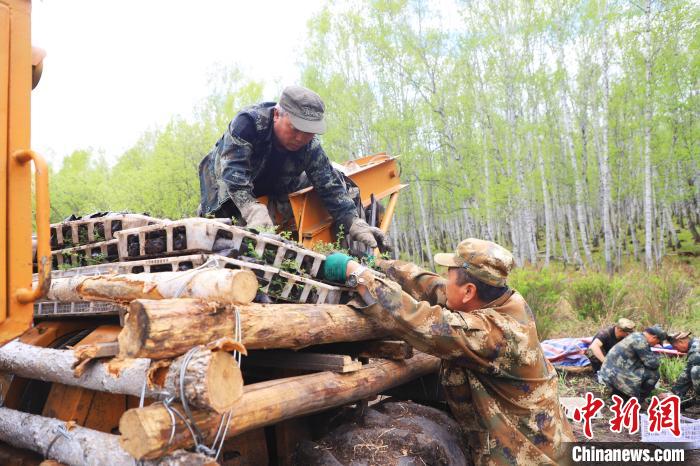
{"points": [[250, 248], [80, 186], [493, 115], [291, 266], [329, 248], [371, 260], [670, 369], [543, 291], [596, 296], [665, 296], [95, 259]]}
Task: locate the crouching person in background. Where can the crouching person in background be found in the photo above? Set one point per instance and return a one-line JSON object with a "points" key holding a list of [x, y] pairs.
{"points": [[631, 369]]}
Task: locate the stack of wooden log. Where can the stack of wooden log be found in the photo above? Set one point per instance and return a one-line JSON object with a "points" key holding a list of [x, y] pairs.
{"points": [[174, 351]]}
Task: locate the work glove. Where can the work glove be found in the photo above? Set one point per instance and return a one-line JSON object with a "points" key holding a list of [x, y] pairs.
{"points": [[370, 237], [256, 215], [334, 267]]}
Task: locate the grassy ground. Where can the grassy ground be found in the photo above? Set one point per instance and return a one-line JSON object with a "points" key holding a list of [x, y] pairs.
{"points": [[577, 303]]}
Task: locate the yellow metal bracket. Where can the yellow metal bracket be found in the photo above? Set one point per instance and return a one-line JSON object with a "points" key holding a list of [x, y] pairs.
{"points": [[43, 249]]}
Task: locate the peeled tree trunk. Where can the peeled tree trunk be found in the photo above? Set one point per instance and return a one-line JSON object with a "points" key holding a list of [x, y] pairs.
{"points": [[213, 379], [146, 432], [167, 328], [222, 285], [74, 445]]}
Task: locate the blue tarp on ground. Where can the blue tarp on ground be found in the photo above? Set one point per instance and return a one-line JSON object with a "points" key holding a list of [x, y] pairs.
{"points": [[572, 351]]}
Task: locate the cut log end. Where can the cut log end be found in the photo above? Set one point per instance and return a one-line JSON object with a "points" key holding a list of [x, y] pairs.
{"points": [[135, 437], [245, 287], [224, 381]]}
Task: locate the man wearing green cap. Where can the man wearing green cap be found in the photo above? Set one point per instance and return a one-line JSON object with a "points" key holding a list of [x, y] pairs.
{"points": [[271, 149], [631, 369], [604, 340], [498, 384]]}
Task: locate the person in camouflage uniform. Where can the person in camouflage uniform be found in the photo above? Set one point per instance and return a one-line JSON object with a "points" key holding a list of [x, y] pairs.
{"points": [[272, 149], [631, 369], [498, 384], [688, 383]]}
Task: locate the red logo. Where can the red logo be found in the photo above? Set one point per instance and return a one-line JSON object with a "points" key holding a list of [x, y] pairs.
{"points": [[626, 415], [665, 414], [593, 405]]}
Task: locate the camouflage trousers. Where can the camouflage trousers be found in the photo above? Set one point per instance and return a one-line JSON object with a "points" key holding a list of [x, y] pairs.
{"points": [[641, 388], [688, 384]]}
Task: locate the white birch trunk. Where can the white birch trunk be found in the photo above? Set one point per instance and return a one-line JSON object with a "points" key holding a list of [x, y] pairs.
{"points": [[608, 239], [648, 117], [221, 285], [424, 217], [126, 377], [549, 235]]}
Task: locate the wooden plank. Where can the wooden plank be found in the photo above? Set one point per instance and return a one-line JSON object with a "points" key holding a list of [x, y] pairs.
{"points": [[70, 403], [395, 350], [303, 361], [247, 449], [287, 435], [102, 349]]}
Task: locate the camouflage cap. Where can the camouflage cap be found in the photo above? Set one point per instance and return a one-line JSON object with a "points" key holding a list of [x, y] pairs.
{"points": [[625, 325], [657, 331], [484, 260], [305, 109], [678, 336]]}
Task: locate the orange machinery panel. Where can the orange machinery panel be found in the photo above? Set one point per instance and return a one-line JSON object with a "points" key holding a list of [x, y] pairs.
{"points": [[375, 174], [16, 294]]}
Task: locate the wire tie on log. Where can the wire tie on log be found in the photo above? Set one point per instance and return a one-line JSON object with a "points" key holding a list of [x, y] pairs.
{"points": [[188, 419], [143, 392], [174, 412], [190, 274], [61, 431], [183, 398]]}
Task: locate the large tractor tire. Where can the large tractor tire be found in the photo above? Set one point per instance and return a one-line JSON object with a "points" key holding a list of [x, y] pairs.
{"points": [[400, 433]]}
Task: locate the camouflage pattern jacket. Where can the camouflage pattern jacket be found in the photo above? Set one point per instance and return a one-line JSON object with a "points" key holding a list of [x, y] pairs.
{"points": [[498, 384], [689, 378], [626, 363], [245, 156]]}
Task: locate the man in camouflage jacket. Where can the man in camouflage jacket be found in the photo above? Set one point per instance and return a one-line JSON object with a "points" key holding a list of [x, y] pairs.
{"points": [[498, 384], [268, 149], [631, 369], [688, 383]]}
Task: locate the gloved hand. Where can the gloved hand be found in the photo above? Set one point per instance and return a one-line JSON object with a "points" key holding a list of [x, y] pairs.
{"points": [[335, 266], [256, 215], [371, 237]]}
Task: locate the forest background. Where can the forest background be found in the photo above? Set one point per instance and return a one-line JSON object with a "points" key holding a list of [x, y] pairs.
{"points": [[567, 131]]}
